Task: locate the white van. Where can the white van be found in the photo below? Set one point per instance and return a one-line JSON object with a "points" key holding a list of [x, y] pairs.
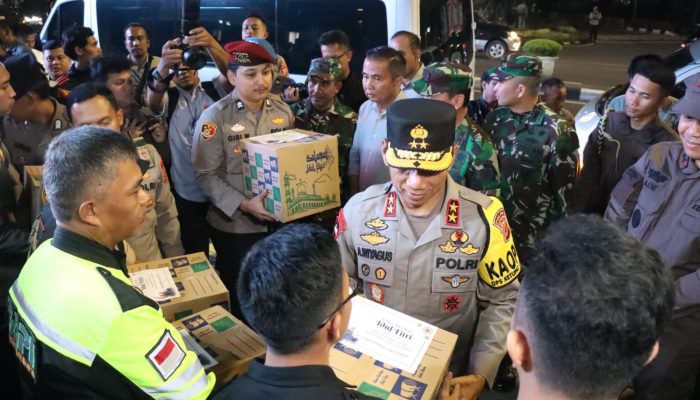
{"points": [[294, 25]]}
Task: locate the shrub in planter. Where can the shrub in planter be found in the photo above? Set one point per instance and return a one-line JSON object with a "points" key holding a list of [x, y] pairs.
{"points": [[567, 29], [542, 47]]}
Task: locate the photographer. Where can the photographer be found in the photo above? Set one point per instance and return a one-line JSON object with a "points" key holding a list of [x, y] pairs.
{"points": [[181, 107]]}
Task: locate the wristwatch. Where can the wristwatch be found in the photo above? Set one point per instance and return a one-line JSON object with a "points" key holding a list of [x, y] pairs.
{"points": [[160, 79]]}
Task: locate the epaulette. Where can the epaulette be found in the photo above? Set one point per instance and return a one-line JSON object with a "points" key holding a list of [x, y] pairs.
{"points": [[475, 197]]}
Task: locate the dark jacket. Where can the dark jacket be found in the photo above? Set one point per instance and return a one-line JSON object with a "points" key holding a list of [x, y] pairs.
{"points": [[306, 382], [612, 148], [351, 93]]}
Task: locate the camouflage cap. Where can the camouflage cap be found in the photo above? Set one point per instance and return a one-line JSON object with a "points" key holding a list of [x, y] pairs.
{"points": [[327, 69], [442, 77], [690, 103], [518, 65]]}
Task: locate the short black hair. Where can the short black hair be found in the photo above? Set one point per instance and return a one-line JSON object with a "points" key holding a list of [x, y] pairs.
{"points": [[413, 39], [634, 63], [85, 92], [289, 283], [52, 44], [593, 303], [336, 36], [100, 69], [258, 16], [81, 162], [397, 62], [75, 36], [552, 82], [659, 73], [24, 30], [136, 25]]}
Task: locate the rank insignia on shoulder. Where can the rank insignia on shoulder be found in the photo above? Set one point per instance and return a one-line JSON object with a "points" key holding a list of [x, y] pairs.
{"points": [[374, 238], [208, 130], [452, 213], [376, 224], [57, 125], [268, 103], [390, 205]]}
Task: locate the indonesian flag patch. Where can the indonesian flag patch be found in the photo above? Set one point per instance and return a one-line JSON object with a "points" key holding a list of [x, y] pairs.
{"points": [[166, 356]]}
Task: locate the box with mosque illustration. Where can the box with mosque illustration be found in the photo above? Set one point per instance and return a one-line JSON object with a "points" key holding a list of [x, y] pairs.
{"points": [[224, 344], [181, 285], [298, 168], [33, 175]]}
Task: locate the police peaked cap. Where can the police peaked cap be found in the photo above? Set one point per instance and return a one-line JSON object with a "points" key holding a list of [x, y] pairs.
{"points": [[247, 54], [420, 133]]}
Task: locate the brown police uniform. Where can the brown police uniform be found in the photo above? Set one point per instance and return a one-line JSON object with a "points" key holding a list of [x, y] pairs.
{"points": [[459, 275]]}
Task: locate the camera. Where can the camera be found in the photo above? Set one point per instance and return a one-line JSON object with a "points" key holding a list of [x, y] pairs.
{"points": [[194, 56], [283, 83]]}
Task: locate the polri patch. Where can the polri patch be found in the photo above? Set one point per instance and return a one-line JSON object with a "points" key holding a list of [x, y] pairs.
{"points": [[208, 130], [166, 356], [501, 222]]}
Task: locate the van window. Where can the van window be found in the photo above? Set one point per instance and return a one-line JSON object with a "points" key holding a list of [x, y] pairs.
{"points": [[301, 22], [66, 15]]}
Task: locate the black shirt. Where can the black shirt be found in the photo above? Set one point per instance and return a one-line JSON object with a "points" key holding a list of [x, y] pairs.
{"points": [[478, 109], [351, 93], [289, 383], [76, 77]]}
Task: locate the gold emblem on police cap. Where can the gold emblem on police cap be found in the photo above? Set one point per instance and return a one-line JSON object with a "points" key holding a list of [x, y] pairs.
{"points": [[419, 132]]}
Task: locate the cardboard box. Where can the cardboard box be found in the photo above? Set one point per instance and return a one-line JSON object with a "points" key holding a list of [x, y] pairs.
{"points": [[300, 169], [375, 378], [198, 283], [227, 339], [33, 175]]}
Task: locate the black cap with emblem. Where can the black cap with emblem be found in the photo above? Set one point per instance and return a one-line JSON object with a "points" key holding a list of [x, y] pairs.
{"points": [[420, 133]]}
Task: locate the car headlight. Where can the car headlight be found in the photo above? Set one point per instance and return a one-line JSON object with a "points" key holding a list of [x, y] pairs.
{"points": [[513, 35]]}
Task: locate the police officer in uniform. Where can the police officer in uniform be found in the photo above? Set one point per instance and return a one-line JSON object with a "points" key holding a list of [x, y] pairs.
{"points": [[36, 117], [250, 110], [658, 202], [428, 247], [79, 328]]}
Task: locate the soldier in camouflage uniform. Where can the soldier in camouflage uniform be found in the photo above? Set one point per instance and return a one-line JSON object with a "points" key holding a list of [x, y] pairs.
{"points": [[323, 112], [537, 152], [476, 164]]}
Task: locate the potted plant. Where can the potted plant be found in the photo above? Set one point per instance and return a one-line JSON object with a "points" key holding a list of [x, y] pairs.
{"points": [[546, 50]]}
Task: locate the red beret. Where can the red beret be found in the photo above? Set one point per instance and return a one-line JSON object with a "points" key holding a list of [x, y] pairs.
{"points": [[247, 54]]}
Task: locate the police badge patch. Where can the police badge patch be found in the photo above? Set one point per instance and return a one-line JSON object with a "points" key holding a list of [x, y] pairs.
{"points": [[208, 130]]}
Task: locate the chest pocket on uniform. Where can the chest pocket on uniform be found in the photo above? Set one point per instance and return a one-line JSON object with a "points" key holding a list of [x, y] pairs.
{"points": [[690, 220], [529, 151], [234, 151], [651, 198]]}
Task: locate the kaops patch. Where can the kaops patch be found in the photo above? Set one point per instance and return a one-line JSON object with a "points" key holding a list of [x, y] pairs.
{"points": [[501, 222], [340, 225], [208, 130], [166, 356], [376, 293], [374, 238], [390, 205], [451, 303]]}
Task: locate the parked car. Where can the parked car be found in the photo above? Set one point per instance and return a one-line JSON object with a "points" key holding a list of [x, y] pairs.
{"points": [[685, 62], [495, 40]]}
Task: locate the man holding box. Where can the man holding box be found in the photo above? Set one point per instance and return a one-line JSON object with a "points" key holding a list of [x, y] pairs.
{"points": [[433, 249], [250, 110], [78, 326]]}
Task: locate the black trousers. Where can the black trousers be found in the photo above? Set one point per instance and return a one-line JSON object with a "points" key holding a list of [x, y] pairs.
{"points": [[231, 248], [674, 371], [194, 229]]}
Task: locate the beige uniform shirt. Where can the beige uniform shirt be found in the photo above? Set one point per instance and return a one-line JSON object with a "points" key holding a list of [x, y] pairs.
{"points": [[161, 230], [217, 161], [460, 275]]}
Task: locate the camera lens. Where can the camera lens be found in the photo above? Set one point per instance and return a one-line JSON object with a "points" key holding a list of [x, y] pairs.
{"points": [[195, 57]]}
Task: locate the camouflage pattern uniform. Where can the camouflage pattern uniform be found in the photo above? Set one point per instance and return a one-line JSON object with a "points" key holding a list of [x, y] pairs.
{"points": [[538, 159], [339, 120], [475, 165]]}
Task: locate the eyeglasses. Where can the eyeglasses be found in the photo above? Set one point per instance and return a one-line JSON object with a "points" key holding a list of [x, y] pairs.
{"points": [[354, 293], [185, 70]]}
